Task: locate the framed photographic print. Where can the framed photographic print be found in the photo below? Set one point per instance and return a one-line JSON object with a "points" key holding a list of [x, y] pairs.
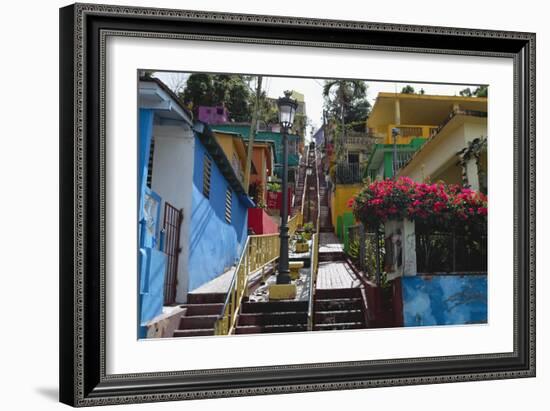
{"points": [[261, 204]]}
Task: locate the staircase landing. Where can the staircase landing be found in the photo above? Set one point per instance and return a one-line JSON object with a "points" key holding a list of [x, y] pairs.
{"points": [[336, 275]]}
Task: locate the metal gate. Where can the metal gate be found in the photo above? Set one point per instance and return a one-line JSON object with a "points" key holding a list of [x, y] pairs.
{"points": [[172, 227]]}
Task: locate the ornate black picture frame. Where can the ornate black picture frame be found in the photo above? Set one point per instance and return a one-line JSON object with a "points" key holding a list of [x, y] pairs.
{"points": [[83, 30]]}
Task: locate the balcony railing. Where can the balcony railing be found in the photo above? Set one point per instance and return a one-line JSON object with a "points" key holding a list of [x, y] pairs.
{"points": [[350, 173], [458, 112], [402, 158]]}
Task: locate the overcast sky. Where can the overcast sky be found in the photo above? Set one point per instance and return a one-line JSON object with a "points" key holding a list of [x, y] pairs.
{"points": [[312, 89]]}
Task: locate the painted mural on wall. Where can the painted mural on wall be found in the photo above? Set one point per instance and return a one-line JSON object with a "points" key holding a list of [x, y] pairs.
{"points": [[444, 300]]}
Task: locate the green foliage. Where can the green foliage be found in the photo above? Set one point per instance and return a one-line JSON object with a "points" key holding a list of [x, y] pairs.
{"points": [[480, 91], [232, 91], [255, 191], [467, 92], [146, 74], [276, 187], [308, 227], [408, 89], [301, 238], [347, 98], [353, 249]]}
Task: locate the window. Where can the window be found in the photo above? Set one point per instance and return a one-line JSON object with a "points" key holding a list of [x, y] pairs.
{"points": [[150, 163], [292, 146], [206, 175], [228, 203], [353, 158]]}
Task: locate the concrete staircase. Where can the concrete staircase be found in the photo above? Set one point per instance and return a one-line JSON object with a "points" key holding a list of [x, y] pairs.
{"points": [[299, 187], [202, 311], [325, 218], [339, 309], [272, 317]]}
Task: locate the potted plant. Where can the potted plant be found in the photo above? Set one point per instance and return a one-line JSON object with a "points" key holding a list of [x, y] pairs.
{"points": [[308, 231], [301, 245]]}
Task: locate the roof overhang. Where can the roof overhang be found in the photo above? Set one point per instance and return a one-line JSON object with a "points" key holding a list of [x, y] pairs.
{"points": [[439, 138], [153, 96], [207, 138], [419, 108]]}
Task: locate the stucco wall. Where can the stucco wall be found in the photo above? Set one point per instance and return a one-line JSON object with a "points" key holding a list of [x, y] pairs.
{"points": [[339, 200], [214, 245], [172, 180], [444, 300], [435, 155]]}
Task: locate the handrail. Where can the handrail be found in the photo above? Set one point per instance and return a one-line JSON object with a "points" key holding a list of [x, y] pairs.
{"points": [[318, 192], [305, 181], [294, 222], [314, 255], [258, 251], [314, 267]]}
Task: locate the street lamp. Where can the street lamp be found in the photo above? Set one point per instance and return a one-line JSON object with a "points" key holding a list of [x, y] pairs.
{"points": [[287, 109], [394, 133]]}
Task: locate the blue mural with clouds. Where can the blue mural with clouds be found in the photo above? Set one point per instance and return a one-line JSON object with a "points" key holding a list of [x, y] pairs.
{"points": [[444, 300]]}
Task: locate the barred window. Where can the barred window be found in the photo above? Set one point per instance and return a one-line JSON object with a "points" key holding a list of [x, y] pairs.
{"points": [[228, 203], [150, 164], [206, 176]]}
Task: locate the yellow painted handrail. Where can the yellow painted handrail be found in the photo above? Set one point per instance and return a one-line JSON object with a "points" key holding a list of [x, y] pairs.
{"points": [[294, 223], [314, 267], [305, 181], [258, 251], [314, 256]]}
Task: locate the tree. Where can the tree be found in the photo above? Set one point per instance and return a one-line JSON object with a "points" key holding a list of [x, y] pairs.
{"points": [[467, 92], [346, 100], [176, 82], [408, 89], [146, 74], [199, 91], [232, 91], [481, 91]]}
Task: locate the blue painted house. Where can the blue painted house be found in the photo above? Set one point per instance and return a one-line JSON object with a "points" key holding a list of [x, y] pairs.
{"points": [[192, 210]]}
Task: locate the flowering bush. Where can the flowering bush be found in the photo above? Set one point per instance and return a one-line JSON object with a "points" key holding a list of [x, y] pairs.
{"points": [[435, 206]]}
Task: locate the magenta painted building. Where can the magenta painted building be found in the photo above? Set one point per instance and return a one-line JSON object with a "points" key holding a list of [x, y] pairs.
{"points": [[213, 115]]}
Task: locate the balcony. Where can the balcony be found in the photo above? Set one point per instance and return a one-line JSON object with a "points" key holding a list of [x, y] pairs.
{"points": [[350, 173]]}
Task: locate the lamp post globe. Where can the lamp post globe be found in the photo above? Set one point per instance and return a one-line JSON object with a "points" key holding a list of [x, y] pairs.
{"points": [[287, 109]]}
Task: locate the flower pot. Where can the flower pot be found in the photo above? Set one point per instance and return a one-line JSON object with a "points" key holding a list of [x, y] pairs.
{"points": [[302, 247]]}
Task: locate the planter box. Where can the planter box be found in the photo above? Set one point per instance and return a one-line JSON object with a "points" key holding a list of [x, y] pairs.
{"points": [[381, 301], [301, 247], [261, 222]]}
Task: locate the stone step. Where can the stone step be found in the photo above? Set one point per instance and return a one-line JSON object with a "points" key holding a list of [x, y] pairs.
{"points": [[193, 333], [331, 293], [272, 319], [203, 309], [205, 298], [199, 321], [274, 306], [256, 329], [343, 316], [341, 304], [339, 326]]}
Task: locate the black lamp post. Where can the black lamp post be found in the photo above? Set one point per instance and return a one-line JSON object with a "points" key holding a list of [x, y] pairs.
{"points": [[394, 133], [287, 109]]}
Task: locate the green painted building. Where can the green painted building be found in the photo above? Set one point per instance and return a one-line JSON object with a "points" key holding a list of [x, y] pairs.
{"points": [[268, 136], [380, 162]]}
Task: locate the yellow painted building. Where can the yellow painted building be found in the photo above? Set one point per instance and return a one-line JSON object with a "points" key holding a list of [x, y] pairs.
{"points": [[234, 149], [456, 154], [415, 115], [428, 132]]}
